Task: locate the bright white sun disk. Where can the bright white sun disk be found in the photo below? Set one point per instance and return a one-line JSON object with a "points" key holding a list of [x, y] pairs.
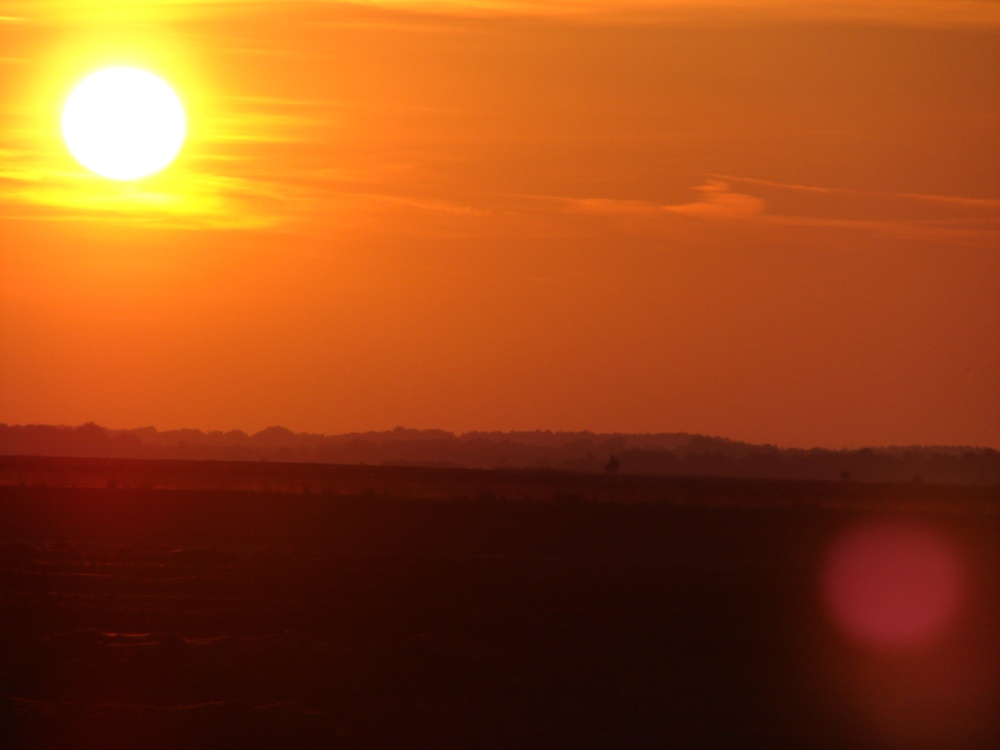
{"points": [[124, 123]]}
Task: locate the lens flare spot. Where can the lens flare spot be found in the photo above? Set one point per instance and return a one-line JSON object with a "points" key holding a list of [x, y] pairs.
{"points": [[893, 585]]}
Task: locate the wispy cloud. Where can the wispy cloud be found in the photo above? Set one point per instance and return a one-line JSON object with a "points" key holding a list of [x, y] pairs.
{"points": [[181, 201], [35, 175], [423, 204], [950, 200], [262, 122], [919, 12], [717, 201], [958, 220], [985, 235], [63, 12], [987, 203]]}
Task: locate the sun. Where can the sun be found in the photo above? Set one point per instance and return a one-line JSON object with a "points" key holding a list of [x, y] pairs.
{"points": [[124, 123]]}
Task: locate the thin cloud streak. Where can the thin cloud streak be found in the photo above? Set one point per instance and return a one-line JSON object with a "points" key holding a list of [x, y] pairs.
{"points": [[179, 203], [948, 199], [907, 12], [978, 237], [720, 203], [717, 202], [183, 197]]}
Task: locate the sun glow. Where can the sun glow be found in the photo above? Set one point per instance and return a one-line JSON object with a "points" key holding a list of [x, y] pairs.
{"points": [[124, 123]]}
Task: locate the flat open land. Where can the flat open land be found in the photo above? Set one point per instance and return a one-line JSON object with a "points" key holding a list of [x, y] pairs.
{"points": [[200, 605]]}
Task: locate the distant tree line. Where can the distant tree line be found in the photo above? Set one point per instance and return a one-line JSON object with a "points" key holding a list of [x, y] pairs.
{"points": [[664, 454]]}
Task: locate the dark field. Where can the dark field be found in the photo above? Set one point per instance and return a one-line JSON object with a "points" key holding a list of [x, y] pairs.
{"points": [[169, 605]]}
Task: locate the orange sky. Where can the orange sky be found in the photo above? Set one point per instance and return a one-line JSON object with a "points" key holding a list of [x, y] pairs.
{"points": [[775, 221]]}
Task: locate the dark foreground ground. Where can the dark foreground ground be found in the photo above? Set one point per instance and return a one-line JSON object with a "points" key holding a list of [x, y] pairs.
{"points": [[355, 617]]}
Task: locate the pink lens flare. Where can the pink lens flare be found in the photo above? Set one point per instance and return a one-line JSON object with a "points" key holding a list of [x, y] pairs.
{"points": [[893, 585]]}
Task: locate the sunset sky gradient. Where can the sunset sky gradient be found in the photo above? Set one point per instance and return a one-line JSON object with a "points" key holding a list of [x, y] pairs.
{"points": [[774, 220]]}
